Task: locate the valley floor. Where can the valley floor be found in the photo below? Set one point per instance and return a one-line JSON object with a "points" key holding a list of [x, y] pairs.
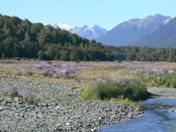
{"points": [[60, 108], [57, 89]]}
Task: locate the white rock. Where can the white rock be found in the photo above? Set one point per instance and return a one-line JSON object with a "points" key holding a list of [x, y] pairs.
{"points": [[16, 99], [67, 124], [57, 107]]}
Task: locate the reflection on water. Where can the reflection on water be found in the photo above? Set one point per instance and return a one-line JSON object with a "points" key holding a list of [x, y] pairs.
{"points": [[154, 119]]}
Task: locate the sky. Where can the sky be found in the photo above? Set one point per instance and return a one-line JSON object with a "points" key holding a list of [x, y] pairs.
{"points": [[105, 13]]}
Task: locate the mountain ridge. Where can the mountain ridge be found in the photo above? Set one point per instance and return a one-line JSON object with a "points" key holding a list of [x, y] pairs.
{"points": [[163, 37], [133, 30], [83, 31]]}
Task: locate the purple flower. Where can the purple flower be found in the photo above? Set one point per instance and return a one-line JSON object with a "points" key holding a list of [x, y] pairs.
{"points": [[48, 72], [30, 98], [14, 92], [53, 70], [30, 95]]}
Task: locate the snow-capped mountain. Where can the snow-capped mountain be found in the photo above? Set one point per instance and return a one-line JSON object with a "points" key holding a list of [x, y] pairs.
{"points": [[164, 37], [63, 26], [130, 31], [84, 31]]}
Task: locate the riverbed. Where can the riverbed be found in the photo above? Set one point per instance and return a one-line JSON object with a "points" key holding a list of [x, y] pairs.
{"points": [[159, 114]]}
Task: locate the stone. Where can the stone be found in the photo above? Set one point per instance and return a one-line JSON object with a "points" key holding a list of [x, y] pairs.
{"points": [[1, 108], [39, 115], [8, 100], [72, 114], [67, 124], [57, 107], [16, 99]]}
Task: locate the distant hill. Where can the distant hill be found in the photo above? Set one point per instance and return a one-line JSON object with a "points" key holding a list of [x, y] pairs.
{"points": [[84, 31], [133, 30], [163, 37]]}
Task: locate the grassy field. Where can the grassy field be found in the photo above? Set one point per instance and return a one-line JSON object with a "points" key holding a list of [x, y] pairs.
{"points": [[124, 82], [84, 74]]}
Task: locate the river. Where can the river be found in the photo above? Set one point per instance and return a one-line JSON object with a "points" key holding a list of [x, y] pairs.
{"points": [[156, 118]]}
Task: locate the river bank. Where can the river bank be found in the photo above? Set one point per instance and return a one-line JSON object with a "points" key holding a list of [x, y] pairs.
{"points": [[60, 108], [159, 114], [162, 92], [57, 88]]}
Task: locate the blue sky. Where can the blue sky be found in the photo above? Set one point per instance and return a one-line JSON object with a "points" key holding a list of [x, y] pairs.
{"points": [[106, 13]]}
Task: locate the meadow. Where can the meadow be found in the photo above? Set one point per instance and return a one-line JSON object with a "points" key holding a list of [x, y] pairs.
{"points": [[76, 96], [102, 78], [83, 74]]}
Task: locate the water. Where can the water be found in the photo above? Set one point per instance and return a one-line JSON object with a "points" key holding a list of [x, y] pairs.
{"points": [[154, 119]]}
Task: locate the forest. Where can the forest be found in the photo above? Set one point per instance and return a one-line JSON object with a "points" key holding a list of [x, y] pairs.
{"points": [[24, 39]]}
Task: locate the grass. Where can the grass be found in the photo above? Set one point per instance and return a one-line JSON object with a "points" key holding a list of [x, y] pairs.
{"points": [[168, 80], [144, 72], [133, 91], [137, 105], [70, 94], [159, 80], [101, 74]]}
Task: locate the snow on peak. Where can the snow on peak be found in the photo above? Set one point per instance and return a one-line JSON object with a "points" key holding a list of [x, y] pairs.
{"points": [[64, 26], [166, 21], [83, 31]]}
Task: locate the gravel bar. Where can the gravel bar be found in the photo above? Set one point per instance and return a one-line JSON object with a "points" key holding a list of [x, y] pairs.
{"points": [[60, 108]]}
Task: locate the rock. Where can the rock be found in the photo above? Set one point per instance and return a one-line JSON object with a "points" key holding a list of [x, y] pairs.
{"points": [[1, 108], [16, 99], [8, 100], [69, 114], [129, 114], [57, 107], [1, 100], [67, 124], [93, 130], [39, 115], [58, 125]]}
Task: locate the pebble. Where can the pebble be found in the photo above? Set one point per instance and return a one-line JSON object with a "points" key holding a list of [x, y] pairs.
{"points": [[57, 107], [67, 113], [1, 109]]}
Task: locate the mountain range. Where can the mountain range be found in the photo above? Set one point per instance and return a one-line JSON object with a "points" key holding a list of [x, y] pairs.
{"points": [[164, 37], [153, 31], [129, 32], [84, 31]]}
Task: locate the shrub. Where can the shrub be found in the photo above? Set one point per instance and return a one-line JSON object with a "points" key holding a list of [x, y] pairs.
{"points": [[171, 80], [137, 105], [14, 92], [168, 80], [107, 90], [47, 73], [139, 91], [30, 98]]}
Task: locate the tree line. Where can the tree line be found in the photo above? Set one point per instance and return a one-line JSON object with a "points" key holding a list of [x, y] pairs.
{"points": [[130, 53], [24, 39]]}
